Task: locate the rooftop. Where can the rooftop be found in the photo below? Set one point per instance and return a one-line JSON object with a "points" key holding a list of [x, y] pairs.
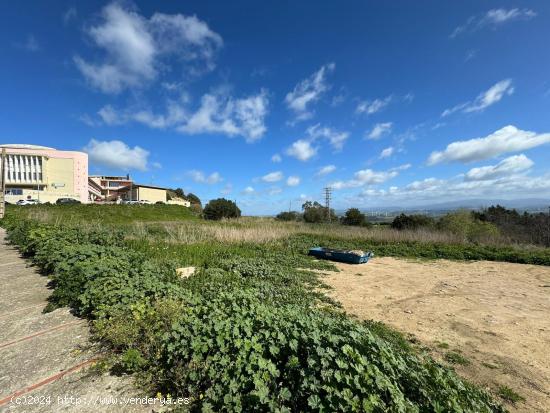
{"points": [[25, 146]]}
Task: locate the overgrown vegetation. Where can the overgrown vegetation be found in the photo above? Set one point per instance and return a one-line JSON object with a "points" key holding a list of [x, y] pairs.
{"points": [[248, 332], [494, 224]]}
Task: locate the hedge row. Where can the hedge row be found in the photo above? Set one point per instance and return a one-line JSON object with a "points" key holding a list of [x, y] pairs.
{"points": [[242, 335]]}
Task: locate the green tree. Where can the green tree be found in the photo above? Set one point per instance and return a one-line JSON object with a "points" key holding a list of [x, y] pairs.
{"points": [[314, 212], [194, 199], [354, 217], [179, 193], [221, 208], [404, 221], [288, 216]]}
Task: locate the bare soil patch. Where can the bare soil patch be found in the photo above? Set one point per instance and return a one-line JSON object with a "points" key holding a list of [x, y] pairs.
{"points": [[495, 315]]}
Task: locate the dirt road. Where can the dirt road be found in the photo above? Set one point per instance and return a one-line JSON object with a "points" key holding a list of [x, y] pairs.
{"points": [[495, 315]]}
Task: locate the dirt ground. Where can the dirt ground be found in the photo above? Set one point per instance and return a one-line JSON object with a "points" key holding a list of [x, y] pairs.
{"points": [[496, 315]]}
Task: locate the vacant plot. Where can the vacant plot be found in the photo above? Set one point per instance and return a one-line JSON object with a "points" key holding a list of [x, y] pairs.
{"points": [[489, 320]]}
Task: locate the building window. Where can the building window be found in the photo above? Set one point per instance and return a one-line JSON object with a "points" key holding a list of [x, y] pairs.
{"points": [[114, 184], [14, 191]]}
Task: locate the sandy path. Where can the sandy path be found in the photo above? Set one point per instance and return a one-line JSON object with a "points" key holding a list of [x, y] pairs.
{"points": [[496, 314]]}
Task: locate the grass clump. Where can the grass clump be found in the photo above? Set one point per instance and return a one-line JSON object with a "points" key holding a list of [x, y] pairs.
{"points": [[454, 357], [506, 393]]}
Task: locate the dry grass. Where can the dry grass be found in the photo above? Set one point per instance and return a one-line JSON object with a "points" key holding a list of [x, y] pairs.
{"points": [[262, 230]]}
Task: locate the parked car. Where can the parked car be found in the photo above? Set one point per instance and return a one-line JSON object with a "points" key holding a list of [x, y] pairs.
{"points": [[28, 202], [131, 202], [145, 202], [66, 201]]}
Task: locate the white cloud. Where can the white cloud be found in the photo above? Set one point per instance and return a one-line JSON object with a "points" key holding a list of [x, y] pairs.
{"points": [[216, 114], [507, 139], [229, 116], [325, 170], [366, 177], [200, 177], [276, 158], [493, 18], [308, 91], [134, 45], [379, 130], [248, 190], [485, 99], [274, 190], [386, 153], [273, 177], [117, 154], [509, 166], [370, 107], [334, 137], [302, 150], [293, 181], [157, 165], [434, 190]]}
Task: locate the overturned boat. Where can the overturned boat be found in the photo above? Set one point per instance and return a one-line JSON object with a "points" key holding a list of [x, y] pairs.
{"points": [[348, 256]]}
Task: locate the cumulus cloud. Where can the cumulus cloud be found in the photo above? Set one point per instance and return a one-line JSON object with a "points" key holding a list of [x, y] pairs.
{"points": [[325, 170], [273, 177], [116, 154], [276, 158], [485, 99], [505, 140], [293, 181], [334, 137], [370, 107], [366, 177], [494, 18], [217, 113], [308, 91], [201, 178], [134, 46], [302, 150], [433, 189], [379, 130], [386, 153], [229, 116], [509, 166]]}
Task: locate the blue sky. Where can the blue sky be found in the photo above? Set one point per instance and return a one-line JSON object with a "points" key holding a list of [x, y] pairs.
{"points": [[390, 103]]}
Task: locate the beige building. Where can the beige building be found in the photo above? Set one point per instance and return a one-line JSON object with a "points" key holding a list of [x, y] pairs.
{"points": [[111, 187], [138, 192], [45, 174]]}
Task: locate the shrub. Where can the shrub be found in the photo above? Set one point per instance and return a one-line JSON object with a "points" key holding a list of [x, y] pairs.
{"points": [[354, 217], [288, 216], [412, 222], [464, 224], [221, 208]]}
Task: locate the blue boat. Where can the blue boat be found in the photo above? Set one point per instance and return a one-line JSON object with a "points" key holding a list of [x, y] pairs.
{"points": [[349, 256]]}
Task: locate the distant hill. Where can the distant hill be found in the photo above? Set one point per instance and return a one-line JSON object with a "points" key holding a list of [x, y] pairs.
{"points": [[528, 203]]}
